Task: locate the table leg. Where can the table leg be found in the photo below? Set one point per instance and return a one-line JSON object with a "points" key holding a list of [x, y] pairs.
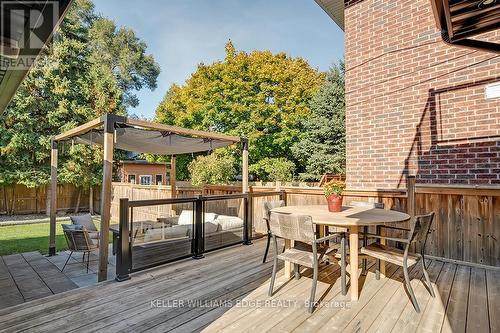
{"points": [[288, 265], [382, 263], [354, 261], [365, 243]]}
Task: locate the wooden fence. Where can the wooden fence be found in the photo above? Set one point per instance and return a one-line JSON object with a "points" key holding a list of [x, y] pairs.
{"points": [[467, 222], [19, 199], [466, 228]]}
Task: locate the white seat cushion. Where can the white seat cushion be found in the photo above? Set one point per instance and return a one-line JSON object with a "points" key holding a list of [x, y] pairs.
{"points": [[210, 228], [229, 222], [177, 231]]}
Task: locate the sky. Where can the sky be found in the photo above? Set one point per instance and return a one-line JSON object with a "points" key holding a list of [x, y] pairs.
{"points": [[180, 34]]}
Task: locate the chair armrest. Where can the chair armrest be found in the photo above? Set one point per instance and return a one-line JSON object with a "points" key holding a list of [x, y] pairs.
{"points": [[402, 240], [326, 238], [395, 228]]}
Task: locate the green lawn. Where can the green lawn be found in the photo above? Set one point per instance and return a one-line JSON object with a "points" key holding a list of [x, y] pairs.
{"points": [[30, 237]]}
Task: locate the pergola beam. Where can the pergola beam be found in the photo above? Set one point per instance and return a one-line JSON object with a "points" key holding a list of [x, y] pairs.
{"points": [[143, 124], [80, 129], [181, 131]]}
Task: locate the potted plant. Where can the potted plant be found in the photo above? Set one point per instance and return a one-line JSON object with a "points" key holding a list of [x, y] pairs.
{"points": [[333, 193]]}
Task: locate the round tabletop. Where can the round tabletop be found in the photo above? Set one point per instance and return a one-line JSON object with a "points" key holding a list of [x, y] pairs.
{"points": [[348, 216]]}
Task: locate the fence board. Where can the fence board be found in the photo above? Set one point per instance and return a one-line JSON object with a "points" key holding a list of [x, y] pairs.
{"points": [[19, 199]]}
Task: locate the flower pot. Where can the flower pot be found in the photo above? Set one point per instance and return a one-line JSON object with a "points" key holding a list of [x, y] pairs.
{"points": [[334, 203]]}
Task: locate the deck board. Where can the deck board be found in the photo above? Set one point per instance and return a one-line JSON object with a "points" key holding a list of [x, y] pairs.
{"points": [[477, 316], [229, 288]]}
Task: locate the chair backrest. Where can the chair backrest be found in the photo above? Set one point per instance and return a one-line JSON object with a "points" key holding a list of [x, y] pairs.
{"points": [[268, 205], [367, 204], [85, 221], [78, 240], [294, 227], [421, 227]]}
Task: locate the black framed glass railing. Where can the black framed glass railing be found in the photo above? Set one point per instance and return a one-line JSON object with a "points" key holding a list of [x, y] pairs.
{"points": [[155, 232]]}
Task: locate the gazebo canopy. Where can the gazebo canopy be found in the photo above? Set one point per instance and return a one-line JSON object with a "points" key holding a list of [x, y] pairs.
{"points": [[155, 142], [112, 131], [147, 137]]}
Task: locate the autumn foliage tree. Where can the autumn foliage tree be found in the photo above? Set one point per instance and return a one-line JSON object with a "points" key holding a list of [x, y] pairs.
{"points": [[261, 95]]}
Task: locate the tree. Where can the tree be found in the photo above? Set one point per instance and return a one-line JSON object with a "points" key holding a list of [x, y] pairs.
{"points": [[90, 68], [321, 148], [273, 169], [212, 169], [259, 94]]}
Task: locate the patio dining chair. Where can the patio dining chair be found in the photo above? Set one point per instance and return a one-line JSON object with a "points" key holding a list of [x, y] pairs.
{"points": [[418, 233], [78, 240], [268, 205], [87, 222], [297, 228]]}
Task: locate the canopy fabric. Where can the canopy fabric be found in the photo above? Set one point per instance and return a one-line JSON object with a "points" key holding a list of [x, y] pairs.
{"points": [[153, 142]]}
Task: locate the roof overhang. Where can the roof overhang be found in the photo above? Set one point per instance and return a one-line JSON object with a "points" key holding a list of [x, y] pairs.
{"points": [[461, 20], [335, 9], [15, 21]]}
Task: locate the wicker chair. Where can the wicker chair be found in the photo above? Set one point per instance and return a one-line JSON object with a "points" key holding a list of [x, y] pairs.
{"points": [[268, 205], [418, 232], [297, 228], [78, 240]]}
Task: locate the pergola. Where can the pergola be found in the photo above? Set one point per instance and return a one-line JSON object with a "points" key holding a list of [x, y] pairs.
{"points": [[113, 131]]}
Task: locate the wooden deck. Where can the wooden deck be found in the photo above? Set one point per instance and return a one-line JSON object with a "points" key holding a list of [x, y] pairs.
{"points": [[227, 291]]}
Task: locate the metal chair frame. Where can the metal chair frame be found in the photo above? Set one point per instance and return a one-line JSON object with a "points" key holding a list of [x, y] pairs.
{"points": [[268, 205], [419, 232], [309, 237], [75, 245]]}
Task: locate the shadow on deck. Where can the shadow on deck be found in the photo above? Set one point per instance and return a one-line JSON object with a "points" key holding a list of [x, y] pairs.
{"points": [[227, 291]]}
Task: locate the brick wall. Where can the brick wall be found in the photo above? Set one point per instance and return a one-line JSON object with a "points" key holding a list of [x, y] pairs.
{"points": [[416, 105]]}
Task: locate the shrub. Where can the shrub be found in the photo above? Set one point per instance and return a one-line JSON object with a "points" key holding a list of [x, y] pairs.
{"points": [[273, 169], [212, 169]]}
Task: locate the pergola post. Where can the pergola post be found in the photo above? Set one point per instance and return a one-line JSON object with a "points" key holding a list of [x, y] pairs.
{"points": [[173, 176], [53, 197], [109, 128], [173, 180], [244, 172], [247, 235]]}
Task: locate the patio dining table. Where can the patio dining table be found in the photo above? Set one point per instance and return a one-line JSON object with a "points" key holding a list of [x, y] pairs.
{"points": [[349, 219]]}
